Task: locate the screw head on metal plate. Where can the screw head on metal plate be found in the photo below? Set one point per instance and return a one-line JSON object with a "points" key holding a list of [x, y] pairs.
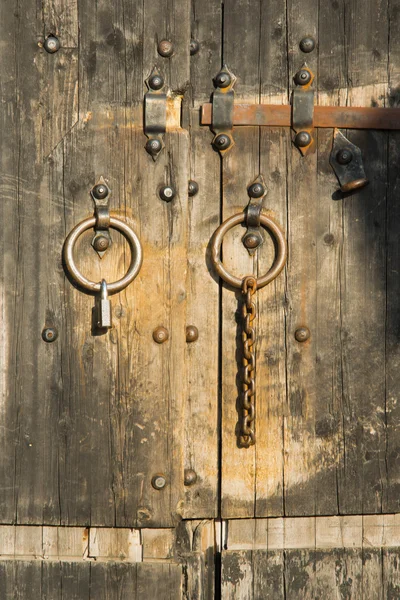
{"points": [[302, 139]]}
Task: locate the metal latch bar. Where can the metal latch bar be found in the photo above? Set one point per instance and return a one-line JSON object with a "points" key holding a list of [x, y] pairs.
{"points": [[340, 117]]}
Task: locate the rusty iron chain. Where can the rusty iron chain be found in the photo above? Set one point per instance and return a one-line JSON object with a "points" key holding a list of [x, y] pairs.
{"points": [[247, 435]]}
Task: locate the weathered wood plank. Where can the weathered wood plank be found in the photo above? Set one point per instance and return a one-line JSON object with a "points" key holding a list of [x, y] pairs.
{"points": [[271, 351], [392, 379], [354, 574], [61, 19], [362, 478], [202, 409], [239, 169], [299, 430]]}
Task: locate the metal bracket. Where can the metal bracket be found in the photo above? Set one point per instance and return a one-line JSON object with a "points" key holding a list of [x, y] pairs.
{"points": [[100, 194], [303, 111], [155, 113], [346, 161], [222, 110], [253, 238]]}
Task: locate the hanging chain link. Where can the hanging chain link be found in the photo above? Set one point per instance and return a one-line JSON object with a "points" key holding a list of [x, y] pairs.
{"points": [[247, 434]]}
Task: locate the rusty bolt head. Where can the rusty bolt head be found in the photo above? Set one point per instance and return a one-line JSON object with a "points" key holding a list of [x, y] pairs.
{"points": [[344, 156], [190, 477], [153, 147], [101, 243], [193, 188], [167, 193], [302, 77], [302, 334], [49, 334], [160, 335], [165, 48], [256, 190], [192, 333], [222, 142], [251, 241], [194, 47], [302, 139], [223, 80], [158, 481], [307, 44], [156, 82], [100, 191], [52, 44]]}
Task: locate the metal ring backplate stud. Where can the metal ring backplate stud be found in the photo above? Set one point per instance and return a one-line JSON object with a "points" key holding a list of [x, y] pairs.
{"points": [[280, 258], [92, 286]]}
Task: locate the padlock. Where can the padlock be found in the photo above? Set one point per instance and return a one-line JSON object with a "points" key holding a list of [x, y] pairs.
{"points": [[103, 308]]}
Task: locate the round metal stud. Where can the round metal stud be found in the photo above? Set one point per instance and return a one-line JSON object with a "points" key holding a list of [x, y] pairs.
{"points": [[302, 77], [158, 481], [194, 47], [190, 477], [153, 147], [167, 193], [100, 191], [223, 80], [222, 142], [52, 44], [344, 156], [101, 243], [302, 334], [302, 139], [307, 44], [49, 334], [165, 48], [160, 335], [156, 82], [256, 190], [251, 241], [192, 333], [193, 188]]}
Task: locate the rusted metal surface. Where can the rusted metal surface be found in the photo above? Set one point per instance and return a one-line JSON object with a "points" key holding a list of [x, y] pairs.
{"points": [[346, 161], [247, 434], [342, 117]]}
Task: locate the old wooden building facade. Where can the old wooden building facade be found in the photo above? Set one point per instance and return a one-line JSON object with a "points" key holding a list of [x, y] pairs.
{"points": [[140, 456]]}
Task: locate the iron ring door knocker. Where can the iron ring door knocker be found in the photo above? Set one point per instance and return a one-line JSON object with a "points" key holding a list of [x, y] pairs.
{"points": [[92, 286], [102, 221], [249, 285]]}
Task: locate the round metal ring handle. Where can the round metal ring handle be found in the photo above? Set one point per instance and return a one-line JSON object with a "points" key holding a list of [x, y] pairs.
{"points": [[280, 258], [92, 286]]}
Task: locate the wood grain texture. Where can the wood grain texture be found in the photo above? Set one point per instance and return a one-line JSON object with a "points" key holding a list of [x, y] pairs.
{"points": [[21, 580], [346, 574], [202, 419], [85, 419]]}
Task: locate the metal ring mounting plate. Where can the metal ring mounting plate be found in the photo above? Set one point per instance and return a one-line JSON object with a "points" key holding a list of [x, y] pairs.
{"points": [[92, 286], [280, 258]]}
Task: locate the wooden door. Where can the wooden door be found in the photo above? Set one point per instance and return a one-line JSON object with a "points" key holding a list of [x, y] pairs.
{"points": [[90, 419]]}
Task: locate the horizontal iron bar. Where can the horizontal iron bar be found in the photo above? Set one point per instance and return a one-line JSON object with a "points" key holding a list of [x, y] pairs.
{"points": [[343, 117]]}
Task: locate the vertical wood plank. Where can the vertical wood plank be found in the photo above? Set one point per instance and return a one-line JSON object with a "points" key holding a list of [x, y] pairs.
{"points": [[61, 19], [239, 169], [271, 326], [299, 430], [363, 477], [201, 410], [391, 500]]}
